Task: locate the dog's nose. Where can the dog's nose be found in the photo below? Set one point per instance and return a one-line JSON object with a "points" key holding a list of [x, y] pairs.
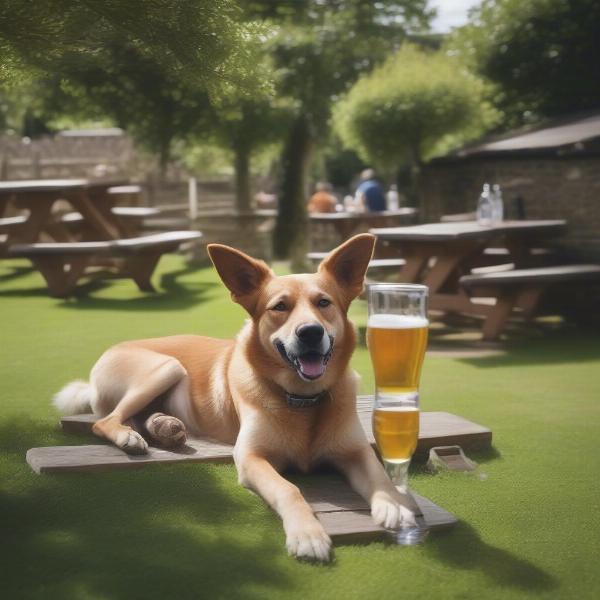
{"points": [[310, 334]]}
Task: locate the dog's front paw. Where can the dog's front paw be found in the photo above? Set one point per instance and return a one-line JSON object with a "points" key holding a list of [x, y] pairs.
{"points": [[131, 442], [390, 514], [309, 542]]}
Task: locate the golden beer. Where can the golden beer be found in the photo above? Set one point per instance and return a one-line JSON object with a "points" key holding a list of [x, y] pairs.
{"points": [[397, 346], [396, 432], [397, 331]]}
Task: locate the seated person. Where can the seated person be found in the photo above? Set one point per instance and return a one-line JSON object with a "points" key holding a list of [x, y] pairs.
{"points": [[322, 201], [369, 192]]}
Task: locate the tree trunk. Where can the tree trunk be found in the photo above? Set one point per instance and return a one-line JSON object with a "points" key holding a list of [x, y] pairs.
{"points": [[291, 231], [164, 157], [242, 180], [415, 173]]}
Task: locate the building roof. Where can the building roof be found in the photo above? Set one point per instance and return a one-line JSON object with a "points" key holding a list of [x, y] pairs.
{"points": [[572, 135]]}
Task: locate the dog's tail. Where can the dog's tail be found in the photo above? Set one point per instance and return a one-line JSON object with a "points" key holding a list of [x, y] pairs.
{"points": [[75, 398]]}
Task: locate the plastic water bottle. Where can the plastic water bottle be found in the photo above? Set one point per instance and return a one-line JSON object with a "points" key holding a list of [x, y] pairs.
{"points": [[485, 207], [393, 198], [498, 212]]}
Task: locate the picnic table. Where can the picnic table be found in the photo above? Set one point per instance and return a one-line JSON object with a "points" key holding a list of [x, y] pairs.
{"points": [[347, 223], [97, 234], [90, 198], [438, 254]]}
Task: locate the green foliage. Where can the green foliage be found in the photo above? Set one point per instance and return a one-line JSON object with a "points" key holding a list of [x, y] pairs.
{"points": [[156, 68], [246, 123], [204, 41], [541, 54], [320, 47], [408, 108]]}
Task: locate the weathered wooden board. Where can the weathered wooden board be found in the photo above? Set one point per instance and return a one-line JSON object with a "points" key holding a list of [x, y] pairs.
{"points": [[356, 526], [61, 459], [436, 429], [344, 514]]}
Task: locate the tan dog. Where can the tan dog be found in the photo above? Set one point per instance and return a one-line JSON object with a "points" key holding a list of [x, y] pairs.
{"points": [[282, 392]]}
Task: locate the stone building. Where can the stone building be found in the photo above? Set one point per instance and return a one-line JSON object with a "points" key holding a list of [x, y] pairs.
{"points": [[551, 172]]}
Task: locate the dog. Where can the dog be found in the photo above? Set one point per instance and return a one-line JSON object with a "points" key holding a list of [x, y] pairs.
{"points": [[282, 392]]}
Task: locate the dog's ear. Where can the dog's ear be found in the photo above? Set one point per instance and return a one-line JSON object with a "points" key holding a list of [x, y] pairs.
{"points": [[348, 263], [242, 274]]}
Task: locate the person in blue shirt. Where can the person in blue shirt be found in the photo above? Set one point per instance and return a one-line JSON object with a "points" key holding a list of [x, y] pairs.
{"points": [[369, 193]]}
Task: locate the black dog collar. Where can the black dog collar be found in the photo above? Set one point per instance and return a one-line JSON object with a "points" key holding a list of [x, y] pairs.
{"points": [[296, 401]]}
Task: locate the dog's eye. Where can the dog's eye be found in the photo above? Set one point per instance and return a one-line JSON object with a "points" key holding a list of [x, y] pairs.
{"points": [[323, 303], [280, 306]]}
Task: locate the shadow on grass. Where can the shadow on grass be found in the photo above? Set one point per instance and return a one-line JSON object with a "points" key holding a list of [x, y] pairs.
{"points": [[15, 272], [561, 347], [159, 532], [462, 548], [173, 294]]}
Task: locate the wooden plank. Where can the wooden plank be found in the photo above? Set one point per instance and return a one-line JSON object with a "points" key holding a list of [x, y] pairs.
{"points": [[117, 247], [326, 495], [436, 428], [357, 526], [449, 231], [78, 424], [538, 275], [343, 513], [60, 459]]}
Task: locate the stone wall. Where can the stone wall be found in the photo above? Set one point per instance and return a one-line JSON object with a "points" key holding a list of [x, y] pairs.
{"points": [[551, 188]]}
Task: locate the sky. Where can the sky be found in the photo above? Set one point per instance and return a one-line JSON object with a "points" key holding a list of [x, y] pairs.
{"points": [[451, 13]]}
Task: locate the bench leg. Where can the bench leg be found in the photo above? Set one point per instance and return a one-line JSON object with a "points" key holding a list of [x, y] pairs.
{"points": [[140, 269], [529, 299], [61, 274], [496, 320]]}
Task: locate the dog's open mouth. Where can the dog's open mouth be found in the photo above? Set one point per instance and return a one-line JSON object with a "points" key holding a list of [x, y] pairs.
{"points": [[309, 365]]}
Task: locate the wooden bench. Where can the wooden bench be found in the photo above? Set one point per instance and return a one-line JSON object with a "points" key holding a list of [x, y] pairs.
{"points": [[374, 265], [63, 263], [131, 219], [521, 288], [8, 223]]}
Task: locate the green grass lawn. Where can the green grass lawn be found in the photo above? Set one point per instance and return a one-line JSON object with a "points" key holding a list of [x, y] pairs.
{"points": [[529, 523]]}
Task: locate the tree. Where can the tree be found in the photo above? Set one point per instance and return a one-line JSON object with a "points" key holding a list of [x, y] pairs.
{"points": [[243, 125], [153, 67], [405, 110], [319, 48], [541, 54]]}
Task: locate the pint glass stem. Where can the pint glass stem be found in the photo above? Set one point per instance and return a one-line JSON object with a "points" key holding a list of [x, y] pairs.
{"points": [[398, 472]]}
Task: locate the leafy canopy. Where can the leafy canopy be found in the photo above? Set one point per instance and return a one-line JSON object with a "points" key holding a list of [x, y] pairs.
{"points": [[407, 108], [320, 47], [155, 67], [541, 54], [204, 40]]}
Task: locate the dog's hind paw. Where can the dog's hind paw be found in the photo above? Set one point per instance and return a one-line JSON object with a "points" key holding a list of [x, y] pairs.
{"points": [[309, 544], [165, 430], [131, 442], [390, 514]]}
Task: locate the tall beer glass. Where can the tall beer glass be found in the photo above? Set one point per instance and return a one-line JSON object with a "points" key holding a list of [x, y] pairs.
{"points": [[397, 331]]}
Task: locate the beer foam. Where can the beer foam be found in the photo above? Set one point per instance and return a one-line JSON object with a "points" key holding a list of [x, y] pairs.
{"points": [[389, 321]]}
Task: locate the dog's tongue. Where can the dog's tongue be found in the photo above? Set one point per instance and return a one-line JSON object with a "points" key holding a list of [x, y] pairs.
{"points": [[312, 365]]}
